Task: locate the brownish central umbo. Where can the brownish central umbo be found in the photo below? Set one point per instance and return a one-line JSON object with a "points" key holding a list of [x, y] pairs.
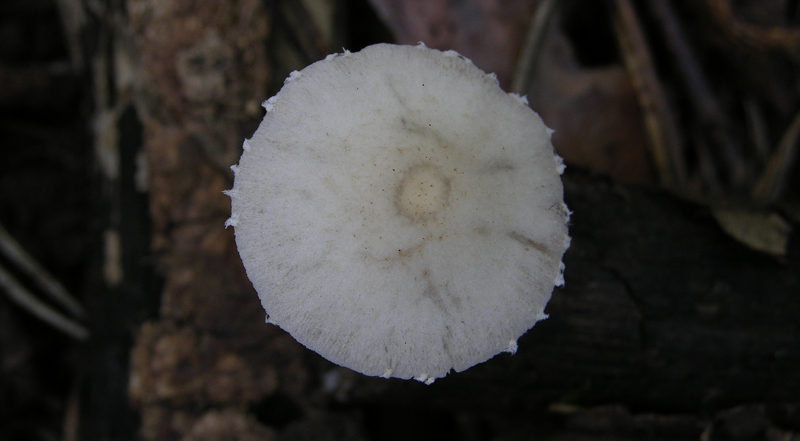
{"points": [[422, 193]]}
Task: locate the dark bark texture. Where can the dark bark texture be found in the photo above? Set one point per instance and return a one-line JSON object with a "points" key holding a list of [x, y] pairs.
{"points": [[661, 312]]}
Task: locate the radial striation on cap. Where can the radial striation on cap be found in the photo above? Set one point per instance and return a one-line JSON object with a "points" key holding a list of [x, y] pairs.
{"points": [[400, 214]]}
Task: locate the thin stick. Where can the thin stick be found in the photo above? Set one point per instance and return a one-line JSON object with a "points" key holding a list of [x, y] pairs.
{"points": [[22, 297], [665, 145], [757, 128], [72, 413], [764, 39], [28, 265], [529, 53], [73, 19], [773, 180], [705, 103]]}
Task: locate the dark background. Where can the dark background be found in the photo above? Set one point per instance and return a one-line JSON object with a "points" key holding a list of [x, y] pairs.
{"points": [[117, 132]]}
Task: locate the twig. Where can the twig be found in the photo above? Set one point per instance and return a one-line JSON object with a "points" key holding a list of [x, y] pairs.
{"points": [[686, 61], [72, 413], [22, 297], [773, 180], [665, 145], [303, 30], [709, 175], [529, 53], [73, 18], [707, 108], [763, 39], [757, 127], [14, 252]]}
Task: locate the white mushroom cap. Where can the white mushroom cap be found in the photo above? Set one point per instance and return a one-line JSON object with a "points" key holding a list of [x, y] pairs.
{"points": [[400, 214]]}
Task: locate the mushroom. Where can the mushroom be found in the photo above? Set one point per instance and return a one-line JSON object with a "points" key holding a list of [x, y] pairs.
{"points": [[399, 214]]}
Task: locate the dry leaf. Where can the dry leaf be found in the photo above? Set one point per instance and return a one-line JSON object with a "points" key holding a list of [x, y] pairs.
{"points": [[762, 231]]}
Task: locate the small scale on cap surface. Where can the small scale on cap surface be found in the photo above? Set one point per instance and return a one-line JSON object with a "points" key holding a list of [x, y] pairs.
{"points": [[400, 214]]}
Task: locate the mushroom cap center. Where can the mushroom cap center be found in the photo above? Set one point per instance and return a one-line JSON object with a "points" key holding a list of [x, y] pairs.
{"points": [[423, 192]]}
